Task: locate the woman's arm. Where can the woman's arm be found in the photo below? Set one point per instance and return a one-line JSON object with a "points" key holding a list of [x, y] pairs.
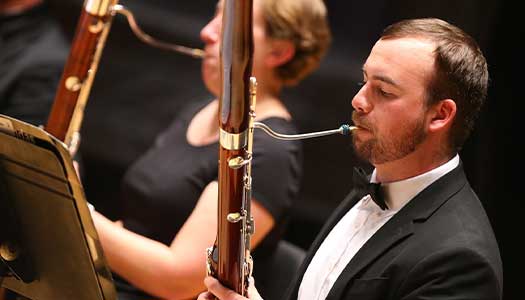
{"points": [[177, 271]]}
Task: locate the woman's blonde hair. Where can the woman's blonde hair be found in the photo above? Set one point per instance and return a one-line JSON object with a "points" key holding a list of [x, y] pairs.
{"points": [[305, 23]]}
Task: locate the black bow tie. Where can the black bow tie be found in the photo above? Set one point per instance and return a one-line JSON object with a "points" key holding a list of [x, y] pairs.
{"points": [[364, 187]]}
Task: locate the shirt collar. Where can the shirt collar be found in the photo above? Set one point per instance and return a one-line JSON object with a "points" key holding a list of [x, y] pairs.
{"points": [[398, 193]]}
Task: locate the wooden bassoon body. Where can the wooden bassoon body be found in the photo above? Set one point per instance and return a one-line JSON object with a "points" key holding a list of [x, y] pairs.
{"points": [[229, 260], [79, 72]]}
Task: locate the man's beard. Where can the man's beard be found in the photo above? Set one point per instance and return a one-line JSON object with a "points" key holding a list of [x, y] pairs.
{"points": [[391, 146]]}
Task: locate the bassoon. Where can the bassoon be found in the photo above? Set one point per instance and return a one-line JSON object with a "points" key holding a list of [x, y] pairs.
{"points": [[92, 30], [229, 259], [77, 78]]}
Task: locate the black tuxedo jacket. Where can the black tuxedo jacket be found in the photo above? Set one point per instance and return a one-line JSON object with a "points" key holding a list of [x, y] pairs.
{"points": [[438, 246]]}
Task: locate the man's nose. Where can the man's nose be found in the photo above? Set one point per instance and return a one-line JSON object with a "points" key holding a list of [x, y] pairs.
{"points": [[361, 102]]}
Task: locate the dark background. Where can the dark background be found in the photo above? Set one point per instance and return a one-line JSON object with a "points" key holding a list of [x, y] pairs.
{"points": [[138, 90]]}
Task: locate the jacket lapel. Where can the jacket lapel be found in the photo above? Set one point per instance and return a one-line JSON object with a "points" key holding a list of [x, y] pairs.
{"points": [[400, 226], [338, 213], [394, 231]]}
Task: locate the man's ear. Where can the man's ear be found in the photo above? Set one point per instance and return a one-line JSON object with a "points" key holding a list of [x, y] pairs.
{"points": [[442, 114], [281, 52]]}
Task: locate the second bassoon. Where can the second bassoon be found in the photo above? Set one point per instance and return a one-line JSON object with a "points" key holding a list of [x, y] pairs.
{"points": [[229, 259]]}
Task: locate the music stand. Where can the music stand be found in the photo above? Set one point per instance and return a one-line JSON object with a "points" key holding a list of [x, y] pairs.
{"points": [[49, 248]]}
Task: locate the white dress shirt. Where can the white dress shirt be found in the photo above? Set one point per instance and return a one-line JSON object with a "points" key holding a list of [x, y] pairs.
{"points": [[357, 226]]}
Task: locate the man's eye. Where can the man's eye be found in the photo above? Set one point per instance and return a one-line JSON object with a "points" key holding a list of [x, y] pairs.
{"points": [[385, 94]]}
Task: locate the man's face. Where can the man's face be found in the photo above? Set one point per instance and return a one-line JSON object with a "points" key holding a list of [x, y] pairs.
{"points": [[390, 106], [211, 36]]}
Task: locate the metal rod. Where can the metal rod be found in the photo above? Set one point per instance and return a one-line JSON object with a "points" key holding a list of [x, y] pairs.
{"points": [[344, 130], [148, 39]]}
